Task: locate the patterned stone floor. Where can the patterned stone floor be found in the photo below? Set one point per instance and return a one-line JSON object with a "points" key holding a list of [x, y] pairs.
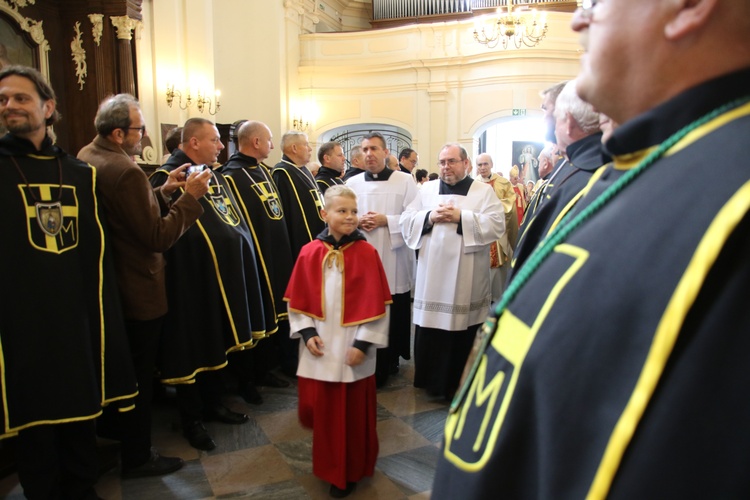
{"points": [[269, 457]]}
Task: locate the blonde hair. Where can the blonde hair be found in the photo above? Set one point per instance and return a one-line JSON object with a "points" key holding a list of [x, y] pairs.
{"points": [[339, 190]]}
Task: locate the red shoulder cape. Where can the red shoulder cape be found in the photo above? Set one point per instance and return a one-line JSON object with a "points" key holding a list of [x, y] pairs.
{"points": [[365, 290]]}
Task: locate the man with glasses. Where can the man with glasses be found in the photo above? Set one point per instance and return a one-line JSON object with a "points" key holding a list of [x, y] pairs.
{"points": [[616, 364], [452, 223], [139, 233], [408, 159]]}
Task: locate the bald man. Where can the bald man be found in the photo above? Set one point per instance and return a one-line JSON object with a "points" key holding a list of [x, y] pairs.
{"points": [[251, 182]]}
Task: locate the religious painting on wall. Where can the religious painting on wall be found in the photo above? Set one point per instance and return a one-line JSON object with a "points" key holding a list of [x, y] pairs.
{"points": [[14, 46], [525, 157]]}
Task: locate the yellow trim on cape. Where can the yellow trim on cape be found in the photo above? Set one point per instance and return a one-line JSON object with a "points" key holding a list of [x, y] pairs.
{"points": [[668, 329]]}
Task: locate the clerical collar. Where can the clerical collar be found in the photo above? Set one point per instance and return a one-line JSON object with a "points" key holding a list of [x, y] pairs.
{"points": [[383, 175], [460, 188], [347, 238]]}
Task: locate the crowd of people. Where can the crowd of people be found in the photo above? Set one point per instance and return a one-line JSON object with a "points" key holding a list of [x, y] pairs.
{"points": [[201, 276], [589, 329]]}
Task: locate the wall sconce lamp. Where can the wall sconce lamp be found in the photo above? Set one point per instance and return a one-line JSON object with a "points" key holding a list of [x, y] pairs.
{"points": [[300, 124], [171, 92], [205, 102]]}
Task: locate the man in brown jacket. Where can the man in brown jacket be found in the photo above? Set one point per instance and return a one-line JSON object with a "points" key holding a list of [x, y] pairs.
{"points": [[142, 223]]}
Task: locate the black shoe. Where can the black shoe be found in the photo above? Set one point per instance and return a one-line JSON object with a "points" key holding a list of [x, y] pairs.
{"points": [[337, 492], [271, 380], [224, 414], [251, 395], [198, 436], [156, 465]]}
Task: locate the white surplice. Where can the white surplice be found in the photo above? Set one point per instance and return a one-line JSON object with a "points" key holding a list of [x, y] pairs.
{"points": [[337, 339], [390, 197], [453, 286]]}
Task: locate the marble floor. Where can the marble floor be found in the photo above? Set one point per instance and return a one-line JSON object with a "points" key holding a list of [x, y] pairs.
{"points": [[269, 457]]}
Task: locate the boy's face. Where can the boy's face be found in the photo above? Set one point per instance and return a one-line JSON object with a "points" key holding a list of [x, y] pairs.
{"points": [[341, 215]]}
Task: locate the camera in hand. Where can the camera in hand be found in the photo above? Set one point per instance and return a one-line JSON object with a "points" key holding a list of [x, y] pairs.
{"points": [[195, 169]]}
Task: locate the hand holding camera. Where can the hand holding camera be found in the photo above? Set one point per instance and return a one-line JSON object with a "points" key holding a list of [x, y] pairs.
{"points": [[197, 178]]}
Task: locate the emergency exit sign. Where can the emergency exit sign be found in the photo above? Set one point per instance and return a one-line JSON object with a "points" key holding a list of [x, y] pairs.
{"points": [[519, 112]]}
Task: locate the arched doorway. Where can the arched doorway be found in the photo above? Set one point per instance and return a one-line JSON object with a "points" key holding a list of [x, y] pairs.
{"points": [[512, 141], [349, 136]]}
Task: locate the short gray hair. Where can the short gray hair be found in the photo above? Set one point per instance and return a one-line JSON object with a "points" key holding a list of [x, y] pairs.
{"points": [[114, 113], [581, 111], [292, 137]]}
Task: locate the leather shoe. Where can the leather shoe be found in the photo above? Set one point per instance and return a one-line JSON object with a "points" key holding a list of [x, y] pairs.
{"points": [[337, 492], [271, 380], [224, 414], [198, 436], [251, 395], [156, 465]]}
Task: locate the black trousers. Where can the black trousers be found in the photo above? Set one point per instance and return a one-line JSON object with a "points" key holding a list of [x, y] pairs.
{"points": [[133, 428], [205, 394], [251, 365], [440, 357], [287, 349], [57, 461], [399, 338]]}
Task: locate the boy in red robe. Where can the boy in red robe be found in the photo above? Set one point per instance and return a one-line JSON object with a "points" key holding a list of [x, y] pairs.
{"points": [[338, 299]]}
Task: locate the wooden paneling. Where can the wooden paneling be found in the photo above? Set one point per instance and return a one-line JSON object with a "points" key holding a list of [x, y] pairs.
{"points": [[104, 64]]}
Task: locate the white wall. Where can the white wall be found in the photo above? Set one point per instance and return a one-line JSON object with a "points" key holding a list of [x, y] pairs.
{"points": [[431, 79]]}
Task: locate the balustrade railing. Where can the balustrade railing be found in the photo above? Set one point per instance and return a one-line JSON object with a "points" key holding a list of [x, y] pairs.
{"points": [[403, 9]]}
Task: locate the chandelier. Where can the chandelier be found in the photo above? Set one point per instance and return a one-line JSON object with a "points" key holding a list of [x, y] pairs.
{"points": [[525, 28]]}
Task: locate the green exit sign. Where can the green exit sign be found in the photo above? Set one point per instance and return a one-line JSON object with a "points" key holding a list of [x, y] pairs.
{"points": [[519, 112]]}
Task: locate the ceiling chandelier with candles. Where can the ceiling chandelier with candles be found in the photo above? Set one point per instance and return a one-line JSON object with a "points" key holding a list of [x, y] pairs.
{"points": [[513, 28]]}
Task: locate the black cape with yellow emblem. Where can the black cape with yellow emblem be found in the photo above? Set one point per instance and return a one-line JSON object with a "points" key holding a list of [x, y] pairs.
{"points": [[620, 368], [302, 202], [259, 200], [64, 348], [215, 301], [327, 177]]}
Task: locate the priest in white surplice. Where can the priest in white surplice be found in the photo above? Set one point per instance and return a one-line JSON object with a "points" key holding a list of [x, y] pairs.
{"points": [[383, 194], [452, 221]]}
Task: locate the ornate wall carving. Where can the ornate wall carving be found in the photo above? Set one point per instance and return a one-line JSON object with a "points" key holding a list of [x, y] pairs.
{"points": [[79, 56], [97, 27]]}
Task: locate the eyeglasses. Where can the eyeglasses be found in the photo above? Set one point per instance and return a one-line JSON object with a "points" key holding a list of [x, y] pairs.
{"points": [[587, 7], [142, 129], [450, 162]]}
